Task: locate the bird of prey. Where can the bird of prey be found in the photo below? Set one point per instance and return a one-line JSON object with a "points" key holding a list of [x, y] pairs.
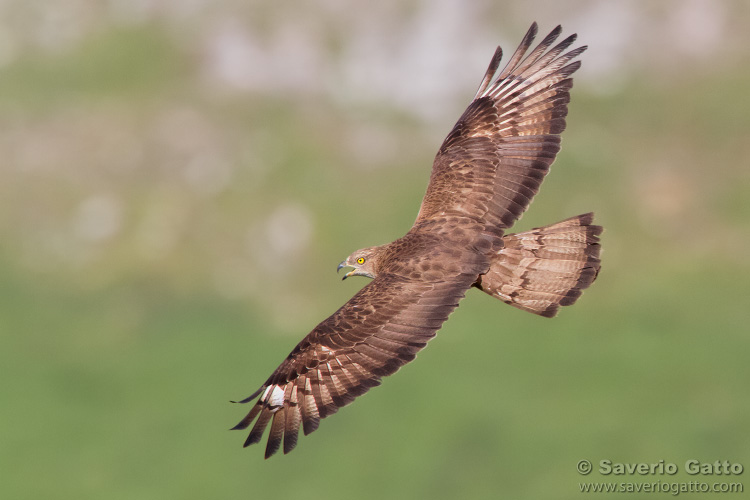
{"points": [[483, 178]]}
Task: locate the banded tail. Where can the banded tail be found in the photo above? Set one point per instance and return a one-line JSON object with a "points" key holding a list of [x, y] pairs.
{"points": [[545, 268]]}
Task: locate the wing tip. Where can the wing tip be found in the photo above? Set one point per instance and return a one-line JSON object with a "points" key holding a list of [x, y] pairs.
{"points": [[251, 396], [273, 445], [491, 70], [532, 32]]}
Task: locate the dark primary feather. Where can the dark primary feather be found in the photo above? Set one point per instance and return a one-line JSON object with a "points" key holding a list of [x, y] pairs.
{"points": [[493, 161]]}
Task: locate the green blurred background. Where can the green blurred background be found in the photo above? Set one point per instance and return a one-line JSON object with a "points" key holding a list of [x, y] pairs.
{"points": [[180, 179]]}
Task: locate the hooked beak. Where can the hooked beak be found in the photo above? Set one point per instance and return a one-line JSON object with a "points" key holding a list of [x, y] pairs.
{"points": [[342, 265]]}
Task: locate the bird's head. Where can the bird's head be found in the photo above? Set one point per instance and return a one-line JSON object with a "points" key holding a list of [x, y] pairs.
{"points": [[362, 261]]}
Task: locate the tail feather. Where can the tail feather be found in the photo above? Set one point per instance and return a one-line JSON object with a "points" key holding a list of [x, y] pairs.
{"points": [[545, 268]]}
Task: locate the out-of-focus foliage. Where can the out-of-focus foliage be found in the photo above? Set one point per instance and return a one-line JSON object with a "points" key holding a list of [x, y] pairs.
{"points": [[179, 179]]}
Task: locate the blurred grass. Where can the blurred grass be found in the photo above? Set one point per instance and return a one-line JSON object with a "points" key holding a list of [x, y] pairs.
{"points": [[119, 367], [130, 63]]}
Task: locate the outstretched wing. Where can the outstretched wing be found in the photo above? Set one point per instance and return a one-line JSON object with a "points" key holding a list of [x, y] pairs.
{"points": [[493, 161], [380, 329]]}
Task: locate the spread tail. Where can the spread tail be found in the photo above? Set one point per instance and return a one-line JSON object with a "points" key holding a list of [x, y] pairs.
{"points": [[545, 268]]}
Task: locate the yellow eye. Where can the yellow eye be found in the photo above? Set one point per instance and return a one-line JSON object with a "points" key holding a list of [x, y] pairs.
{"points": [[361, 260]]}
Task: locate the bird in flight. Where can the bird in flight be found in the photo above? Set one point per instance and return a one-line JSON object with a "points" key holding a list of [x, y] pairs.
{"points": [[483, 178]]}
